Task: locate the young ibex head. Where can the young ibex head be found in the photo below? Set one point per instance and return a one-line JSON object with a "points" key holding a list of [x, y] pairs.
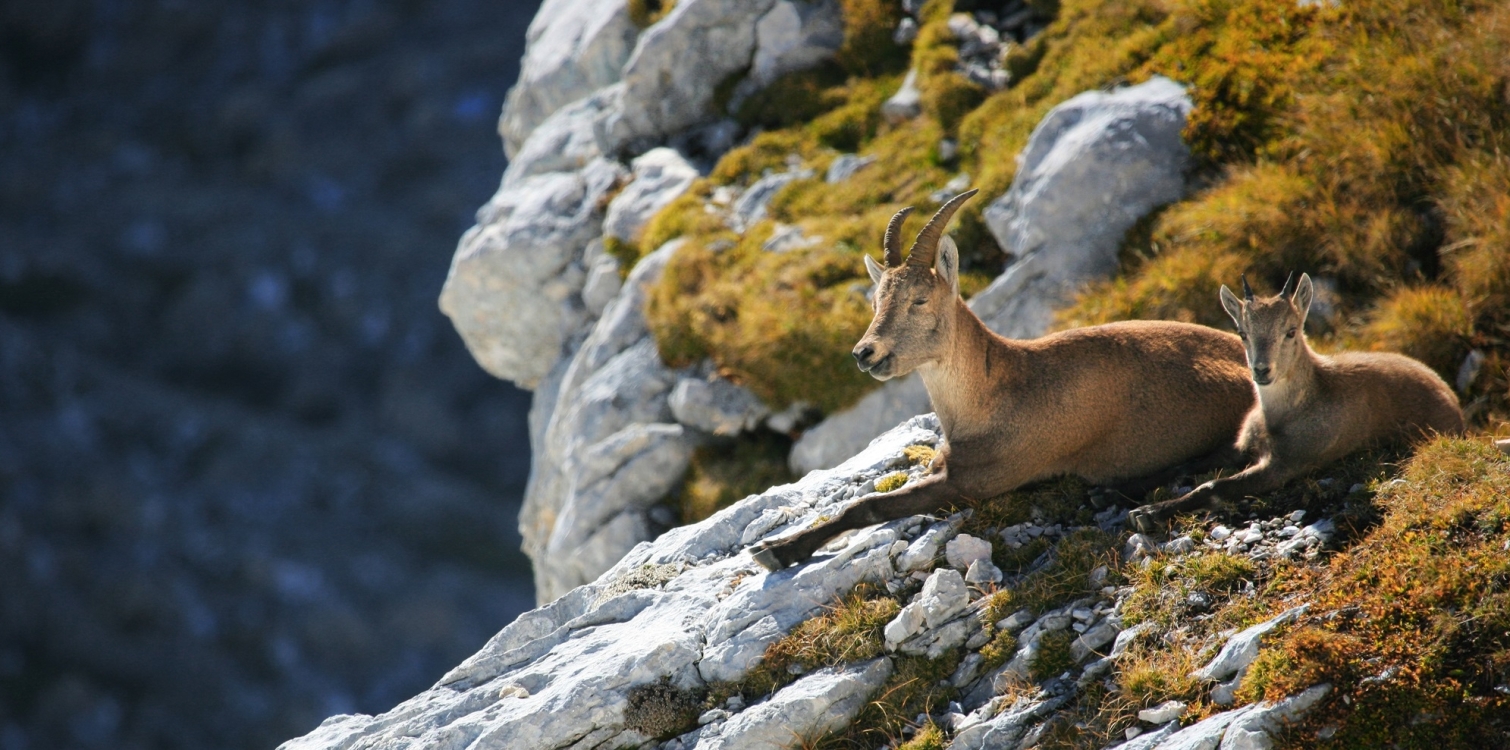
{"points": [[1272, 328], [914, 299]]}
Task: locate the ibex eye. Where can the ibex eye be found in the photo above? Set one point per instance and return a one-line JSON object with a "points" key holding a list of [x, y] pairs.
{"points": [[920, 302], [1290, 334]]}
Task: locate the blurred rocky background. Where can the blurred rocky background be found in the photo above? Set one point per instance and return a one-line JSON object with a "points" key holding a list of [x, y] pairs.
{"points": [[249, 476]]}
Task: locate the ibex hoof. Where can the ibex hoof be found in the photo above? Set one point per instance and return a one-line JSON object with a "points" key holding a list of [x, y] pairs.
{"points": [[1144, 521], [766, 557]]}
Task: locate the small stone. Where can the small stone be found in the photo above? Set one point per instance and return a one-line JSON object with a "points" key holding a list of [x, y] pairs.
{"points": [[1163, 713], [944, 595], [712, 715], [1220, 533], [1133, 732], [1138, 546], [906, 31], [1252, 536], [1079, 627], [948, 149], [735, 703], [906, 624], [1179, 546], [907, 103], [1015, 621], [1357, 488], [964, 549], [1097, 577], [983, 571], [1296, 516], [1083, 614]]}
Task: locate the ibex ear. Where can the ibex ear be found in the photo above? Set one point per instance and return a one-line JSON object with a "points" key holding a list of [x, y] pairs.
{"points": [[1232, 305], [874, 269], [946, 264], [1305, 291]]}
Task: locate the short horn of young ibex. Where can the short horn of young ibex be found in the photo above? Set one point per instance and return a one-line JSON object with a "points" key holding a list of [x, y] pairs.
{"points": [[1313, 409], [1109, 403]]}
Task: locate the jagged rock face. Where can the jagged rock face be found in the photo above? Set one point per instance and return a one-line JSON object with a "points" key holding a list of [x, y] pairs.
{"points": [[1094, 166], [575, 47], [530, 281], [689, 608], [692, 609], [609, 449], [678, 63], [513, 292]]}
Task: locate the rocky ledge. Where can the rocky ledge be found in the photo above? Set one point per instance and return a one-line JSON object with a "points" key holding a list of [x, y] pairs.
{"points": [[659, 650]]}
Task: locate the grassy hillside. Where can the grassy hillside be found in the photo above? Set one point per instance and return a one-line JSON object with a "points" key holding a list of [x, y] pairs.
{"points": [[1367, 144]]}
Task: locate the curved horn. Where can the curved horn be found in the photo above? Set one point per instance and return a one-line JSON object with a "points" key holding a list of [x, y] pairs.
{"points": [[1247, 290], [1285, 292], [892, 244], [926, 245]]}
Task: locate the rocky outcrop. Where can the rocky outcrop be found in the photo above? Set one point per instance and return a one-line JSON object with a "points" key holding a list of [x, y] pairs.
{"points": [[513, 292], [574, 47], [609, 450], [531, 280], [690, 608], [614, 662], [677, 65], [1094, 166]]}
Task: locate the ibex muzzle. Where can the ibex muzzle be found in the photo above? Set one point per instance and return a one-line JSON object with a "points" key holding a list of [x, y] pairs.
{"points": [[1112, 404]]}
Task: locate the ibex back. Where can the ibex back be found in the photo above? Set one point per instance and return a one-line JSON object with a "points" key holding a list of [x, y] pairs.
{"points": [[1313, 409], [1107, 403]]}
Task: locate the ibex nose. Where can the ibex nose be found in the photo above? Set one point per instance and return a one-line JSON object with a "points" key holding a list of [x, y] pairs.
{"points": [[863, 353], [1261, 373]]}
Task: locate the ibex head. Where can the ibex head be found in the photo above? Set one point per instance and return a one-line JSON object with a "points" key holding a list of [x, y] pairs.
{"points": [[914, 300], [1272, 328]]}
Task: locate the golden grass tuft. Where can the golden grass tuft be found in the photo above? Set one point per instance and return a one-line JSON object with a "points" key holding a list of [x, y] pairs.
{"points": [[891, 481], [727, 471]]}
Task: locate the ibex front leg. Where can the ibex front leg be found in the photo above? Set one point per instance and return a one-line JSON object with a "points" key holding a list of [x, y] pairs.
{"points": [[1261, 477], [931, 494]]}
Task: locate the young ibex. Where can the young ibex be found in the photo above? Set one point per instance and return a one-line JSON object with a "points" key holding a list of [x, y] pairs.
{"points": [[1107, 403], [1313, 409]]}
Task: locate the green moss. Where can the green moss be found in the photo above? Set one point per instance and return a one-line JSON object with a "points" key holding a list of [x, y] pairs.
{"points": [[928, 737], [891, 481], [661, 710], [917, 686], [643, 13], [729, 470], [1065, 577], [1053, 655], [1001, 647]]}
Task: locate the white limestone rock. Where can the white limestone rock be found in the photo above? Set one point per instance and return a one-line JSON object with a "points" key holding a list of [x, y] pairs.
{"points": [[565, 142], [943, 596], [561, 674], [824, 701], [716, 406], [1163, 713], [659, 176], [791, 36], [907, 103], [670, 78], [609, 448], [964, 550], [513, 291], [1241, 649], [573, 47]]}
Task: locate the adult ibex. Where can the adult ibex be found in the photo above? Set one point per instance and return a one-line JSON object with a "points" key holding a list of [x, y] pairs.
{"points": [[1313, 409], [1107, 403]]}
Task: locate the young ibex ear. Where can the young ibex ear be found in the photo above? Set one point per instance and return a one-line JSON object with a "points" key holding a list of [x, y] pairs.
{"points": [[874, 269], [946, 265], [1232, 305], [1305, 291]]}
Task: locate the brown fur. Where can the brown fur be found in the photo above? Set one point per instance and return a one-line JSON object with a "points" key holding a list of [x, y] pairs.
{"points": [[1107, 403], [1314, 409]]}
